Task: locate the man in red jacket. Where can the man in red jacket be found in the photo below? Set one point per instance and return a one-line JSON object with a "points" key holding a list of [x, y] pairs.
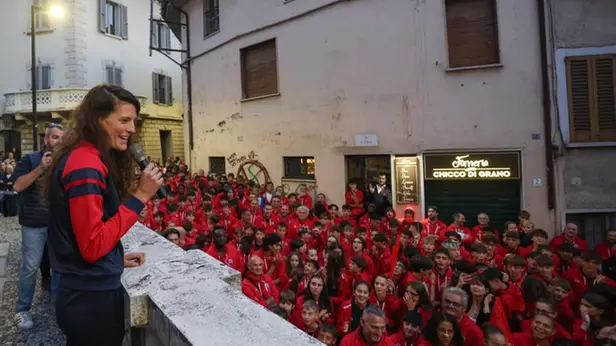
{"points": [[258, 286], [455, 301], [371, 331], [569, 236], [225, 253], [587, 275], [607, 249]]}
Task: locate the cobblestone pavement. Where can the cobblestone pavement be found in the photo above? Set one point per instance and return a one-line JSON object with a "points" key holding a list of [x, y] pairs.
{"points": [[45, 331]]}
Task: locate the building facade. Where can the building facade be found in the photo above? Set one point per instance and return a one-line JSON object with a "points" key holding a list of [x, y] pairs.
{"points": [[93, 42], [584, 119], [443, 97]]}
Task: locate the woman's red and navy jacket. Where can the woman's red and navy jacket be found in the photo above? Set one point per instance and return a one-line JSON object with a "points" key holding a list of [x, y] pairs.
{"points": [[87, 222]]}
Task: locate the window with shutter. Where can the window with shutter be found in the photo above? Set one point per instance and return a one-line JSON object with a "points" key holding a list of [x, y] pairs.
{"points": [[259, 70], [161, 89], [592, 98], [472, 33], [211, 19], [42, 17], [113, 19], [43, 77]]}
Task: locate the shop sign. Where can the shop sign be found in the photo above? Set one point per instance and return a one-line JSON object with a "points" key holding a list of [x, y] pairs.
{"points": [[472, 166], [407, 184]]}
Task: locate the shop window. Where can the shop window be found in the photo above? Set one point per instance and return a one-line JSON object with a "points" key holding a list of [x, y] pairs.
{"points": [[592, 227], [299, 167]]}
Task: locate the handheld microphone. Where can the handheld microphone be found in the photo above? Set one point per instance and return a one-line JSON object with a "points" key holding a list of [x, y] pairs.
{"points": [[139, 155]]}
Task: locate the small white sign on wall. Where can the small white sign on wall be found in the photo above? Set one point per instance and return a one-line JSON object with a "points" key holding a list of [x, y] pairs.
{"points": [[367, 140], [537, 182]]}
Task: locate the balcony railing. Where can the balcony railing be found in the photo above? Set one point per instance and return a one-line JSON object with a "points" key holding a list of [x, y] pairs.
{"points": [[52, 100]]}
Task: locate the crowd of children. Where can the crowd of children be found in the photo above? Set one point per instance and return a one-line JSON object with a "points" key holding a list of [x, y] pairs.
{"points": [[348, 275]]}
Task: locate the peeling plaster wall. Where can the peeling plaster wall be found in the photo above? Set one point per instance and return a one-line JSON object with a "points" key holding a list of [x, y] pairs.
{"points": [[368, 66]]}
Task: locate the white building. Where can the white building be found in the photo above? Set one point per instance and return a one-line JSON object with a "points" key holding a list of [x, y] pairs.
{"points": [[322, 91], [94, 42]]}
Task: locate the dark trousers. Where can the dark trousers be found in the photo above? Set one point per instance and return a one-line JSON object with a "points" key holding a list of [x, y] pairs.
{"points": [[45, 265], [93, 318]]}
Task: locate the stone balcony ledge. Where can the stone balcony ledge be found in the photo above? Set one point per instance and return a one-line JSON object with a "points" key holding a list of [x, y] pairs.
{"points": [[49, 100], [188, 298]]}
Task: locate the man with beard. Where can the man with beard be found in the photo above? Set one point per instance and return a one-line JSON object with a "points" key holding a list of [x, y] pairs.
{"points": [[33, 218], [410, 334], [225, 253]]}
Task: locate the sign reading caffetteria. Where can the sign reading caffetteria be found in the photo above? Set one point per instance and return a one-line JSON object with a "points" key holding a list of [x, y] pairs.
{"points": [[472, 166]]}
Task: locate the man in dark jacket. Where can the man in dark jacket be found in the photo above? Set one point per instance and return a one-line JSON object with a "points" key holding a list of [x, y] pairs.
{"points": [[380, 194], [33, 218]]}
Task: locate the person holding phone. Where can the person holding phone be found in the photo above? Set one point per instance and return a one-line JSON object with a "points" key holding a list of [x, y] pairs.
{"points": [[33, 218], [89, 182]]}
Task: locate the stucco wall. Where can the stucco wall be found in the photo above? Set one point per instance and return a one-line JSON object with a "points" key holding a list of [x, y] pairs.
{"points": [[588, 178], [368, 66], [584, 23]]}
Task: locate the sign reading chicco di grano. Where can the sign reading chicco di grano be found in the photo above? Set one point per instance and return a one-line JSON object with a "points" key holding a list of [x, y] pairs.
{"points": [[472, 166]]}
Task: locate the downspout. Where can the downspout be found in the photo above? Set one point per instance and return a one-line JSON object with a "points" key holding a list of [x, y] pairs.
{"points": [[188, 62], [547, 106]]}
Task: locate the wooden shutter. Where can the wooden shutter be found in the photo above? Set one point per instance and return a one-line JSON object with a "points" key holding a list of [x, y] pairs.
{"points": [[117, 79], [260, 70], [472, 33], [592, 98], [46, 77], [580, 105], [102, 10], [155, 87], [154, 39], [168, 91], [605, 81], [167, 37], [123, 22]]}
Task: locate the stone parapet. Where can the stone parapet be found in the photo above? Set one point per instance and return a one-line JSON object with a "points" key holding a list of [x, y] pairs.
{"points": [[189, 298]]}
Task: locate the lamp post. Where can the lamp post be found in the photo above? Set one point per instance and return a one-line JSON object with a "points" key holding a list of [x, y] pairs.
{"points": [[53, 11]]}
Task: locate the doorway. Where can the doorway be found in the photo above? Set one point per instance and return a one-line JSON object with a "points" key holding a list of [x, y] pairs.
{"points": [[166, 145], [366, 168]]}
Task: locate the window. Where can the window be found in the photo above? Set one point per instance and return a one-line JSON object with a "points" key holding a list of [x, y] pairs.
{"points": [[217, 165], [299, 168], [161, 36], [161, 89], [43, 77], [113, 19], [592, 98], [42, 18], [472, 33], [211, 20], [259, 70], [592, 226], [113, 75]]}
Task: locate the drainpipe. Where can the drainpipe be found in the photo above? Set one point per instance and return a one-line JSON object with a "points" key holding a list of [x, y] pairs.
{"points": [[547, 106], [188, 62]]}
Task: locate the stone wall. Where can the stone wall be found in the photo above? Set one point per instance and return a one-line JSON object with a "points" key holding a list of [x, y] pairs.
{"points": [[188, 298]]}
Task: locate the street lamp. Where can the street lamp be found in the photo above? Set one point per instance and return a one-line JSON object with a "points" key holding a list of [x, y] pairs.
{"points": [[52, 11]]}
